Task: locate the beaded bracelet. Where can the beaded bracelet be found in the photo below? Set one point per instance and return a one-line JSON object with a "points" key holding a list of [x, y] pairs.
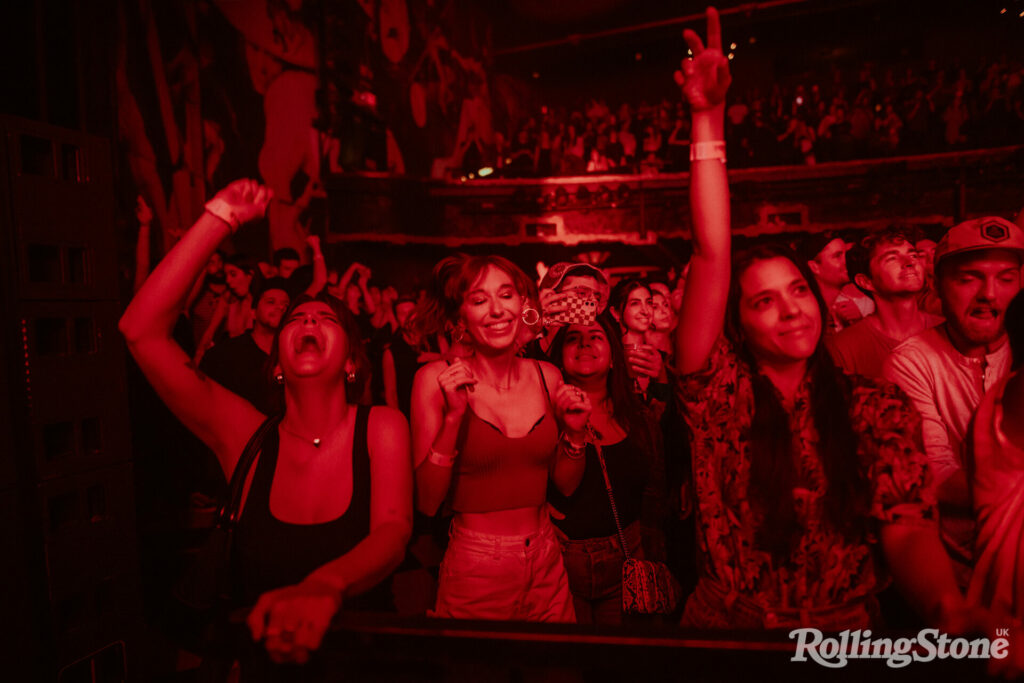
{"points": [[572, 451]]}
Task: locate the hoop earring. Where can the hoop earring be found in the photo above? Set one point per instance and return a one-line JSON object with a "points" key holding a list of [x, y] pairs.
{"points": [[530, 316]]}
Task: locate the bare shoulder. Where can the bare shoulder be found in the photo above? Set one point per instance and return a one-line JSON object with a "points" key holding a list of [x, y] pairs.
{"points": [[387, 432], [430, 371], [386, 419], [552, 375]]}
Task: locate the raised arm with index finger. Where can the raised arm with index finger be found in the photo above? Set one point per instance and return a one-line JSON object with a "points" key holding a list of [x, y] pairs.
{"points": [[704, 80]]}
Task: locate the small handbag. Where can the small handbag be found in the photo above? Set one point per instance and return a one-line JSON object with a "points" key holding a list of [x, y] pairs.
{"points": [[648, 587], [202, 596]]}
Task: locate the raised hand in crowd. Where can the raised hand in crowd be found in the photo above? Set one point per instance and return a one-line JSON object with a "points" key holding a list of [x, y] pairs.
{"points": [[704, 80], [359, 275], [300, 575], [144, 215], [705, 77], [388, 297], [319, 266]]}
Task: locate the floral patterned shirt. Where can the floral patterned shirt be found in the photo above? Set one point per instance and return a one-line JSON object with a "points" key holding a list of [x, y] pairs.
{"points": [[824, 569]]}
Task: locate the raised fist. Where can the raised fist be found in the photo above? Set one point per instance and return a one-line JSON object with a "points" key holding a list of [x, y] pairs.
{"points": [[245, 199], [143, 213]]}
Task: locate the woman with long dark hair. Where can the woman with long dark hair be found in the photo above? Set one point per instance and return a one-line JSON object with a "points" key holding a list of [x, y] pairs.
{"points": [[327, 510], [798, 473], [486, 428], [591, 358], [630, 303]]}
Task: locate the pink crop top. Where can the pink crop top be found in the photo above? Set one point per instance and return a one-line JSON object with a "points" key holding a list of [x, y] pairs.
{"points": [[496, 472]]}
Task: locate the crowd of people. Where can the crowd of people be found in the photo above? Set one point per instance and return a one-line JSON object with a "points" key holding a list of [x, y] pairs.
{"points": [[875, 110], [827, 394]]}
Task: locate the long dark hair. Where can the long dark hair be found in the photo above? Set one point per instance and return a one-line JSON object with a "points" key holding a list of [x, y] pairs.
{"points": [[438, 312], [627, 409], [356, 350], [772, 467], [620, 295]]}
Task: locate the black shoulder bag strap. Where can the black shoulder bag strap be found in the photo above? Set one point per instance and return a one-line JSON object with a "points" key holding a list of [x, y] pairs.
{"points": [[608, 487], [227, 516], [202, 595]]}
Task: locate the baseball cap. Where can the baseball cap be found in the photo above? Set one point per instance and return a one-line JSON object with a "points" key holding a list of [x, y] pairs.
{"points": [[989, 232], [557, 273], [812, 245]]}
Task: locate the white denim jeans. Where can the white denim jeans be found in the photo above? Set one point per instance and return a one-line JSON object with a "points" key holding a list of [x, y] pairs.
{"points": [[504, 578]]}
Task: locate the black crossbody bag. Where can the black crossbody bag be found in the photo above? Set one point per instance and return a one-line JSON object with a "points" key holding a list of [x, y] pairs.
{"points": [[648, 587], [202, 597]]}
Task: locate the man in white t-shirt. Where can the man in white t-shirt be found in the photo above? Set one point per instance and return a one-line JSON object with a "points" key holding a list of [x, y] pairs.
{"points": [[947, 369]]}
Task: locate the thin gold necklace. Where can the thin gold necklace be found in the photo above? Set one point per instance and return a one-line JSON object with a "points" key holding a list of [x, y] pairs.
{"points": [[316, 442]]}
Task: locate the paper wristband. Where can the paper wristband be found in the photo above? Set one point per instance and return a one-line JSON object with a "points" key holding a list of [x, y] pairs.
{"points": [[222, 210], [440, 459], [706, 151]]}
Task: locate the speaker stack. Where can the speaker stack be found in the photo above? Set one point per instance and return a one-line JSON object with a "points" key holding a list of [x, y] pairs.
{"points": [[67, 512]]}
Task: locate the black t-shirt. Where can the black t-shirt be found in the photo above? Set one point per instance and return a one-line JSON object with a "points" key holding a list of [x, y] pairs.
{"points": [[366, 328], [406, 365], [238, 364], [614, 152], [588, 512]]}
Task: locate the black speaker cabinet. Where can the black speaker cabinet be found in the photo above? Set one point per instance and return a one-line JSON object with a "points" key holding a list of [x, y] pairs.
{"points": [[67, 508]]}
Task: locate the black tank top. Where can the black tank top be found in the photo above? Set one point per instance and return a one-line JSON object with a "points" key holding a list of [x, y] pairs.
{"points": [[588, 513], [269, 553]]}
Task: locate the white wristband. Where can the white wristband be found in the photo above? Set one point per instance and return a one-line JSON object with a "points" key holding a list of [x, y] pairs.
{"points": [[440, 459], [222, 210], [705, 151]]}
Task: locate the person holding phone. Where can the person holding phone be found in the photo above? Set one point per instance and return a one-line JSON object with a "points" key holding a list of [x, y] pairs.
{"points": [[569, 293]]}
